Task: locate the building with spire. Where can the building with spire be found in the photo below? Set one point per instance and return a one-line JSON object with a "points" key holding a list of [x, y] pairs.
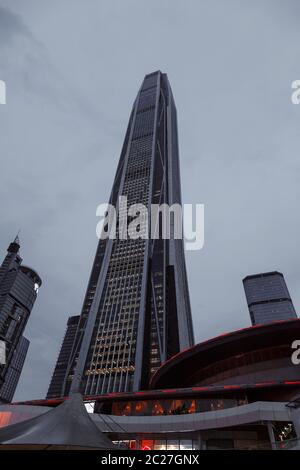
{"points": [[136, 312], [19, 286]]}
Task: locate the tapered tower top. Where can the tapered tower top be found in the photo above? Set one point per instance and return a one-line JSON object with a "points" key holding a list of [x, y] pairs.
{"points": [[15, 245]]}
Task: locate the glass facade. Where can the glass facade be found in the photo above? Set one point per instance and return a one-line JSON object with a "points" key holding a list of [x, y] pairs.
{"points": [[57, 381], [254, 436], [160, 444], [136, 313], [172, 406], [14, 370]]}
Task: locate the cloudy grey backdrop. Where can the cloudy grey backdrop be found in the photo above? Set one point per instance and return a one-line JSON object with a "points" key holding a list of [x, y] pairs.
{"points": [[72, 70]]}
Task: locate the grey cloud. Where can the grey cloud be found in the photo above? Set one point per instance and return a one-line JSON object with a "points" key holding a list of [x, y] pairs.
{"points": [[11, 25]]}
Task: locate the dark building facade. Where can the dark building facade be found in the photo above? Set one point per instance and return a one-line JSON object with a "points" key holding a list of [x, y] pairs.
{"points": [[136, 312], [242, 359], [268, 298], [14, 370], [18, 291], [57, 381]]}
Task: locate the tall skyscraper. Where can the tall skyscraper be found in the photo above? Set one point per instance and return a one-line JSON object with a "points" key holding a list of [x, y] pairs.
{"points": [[18, 291], [57, 381], [136, 312], [268, 298]]}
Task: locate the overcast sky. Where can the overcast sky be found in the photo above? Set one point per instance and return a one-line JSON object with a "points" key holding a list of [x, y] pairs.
{"points": [[72, 70]]}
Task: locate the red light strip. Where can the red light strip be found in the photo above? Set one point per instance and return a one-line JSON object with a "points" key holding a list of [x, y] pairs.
{"points": [[228, 387], [156, 393], [265, 384], [290, 382]]}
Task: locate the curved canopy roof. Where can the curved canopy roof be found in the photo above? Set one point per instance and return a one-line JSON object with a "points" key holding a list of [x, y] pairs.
{"points": [[66, 426]]}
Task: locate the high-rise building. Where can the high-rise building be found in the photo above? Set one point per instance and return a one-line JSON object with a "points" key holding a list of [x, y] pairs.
{"points": [[57, 381], [18, 291], [268, 298], [14, 370], [136, 312]]}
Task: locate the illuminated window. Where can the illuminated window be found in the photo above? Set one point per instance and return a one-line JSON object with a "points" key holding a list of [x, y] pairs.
{"points": [[173, 445], [160, 445], [157, 409]]}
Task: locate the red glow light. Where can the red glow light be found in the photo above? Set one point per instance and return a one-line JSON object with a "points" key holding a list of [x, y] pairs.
{"points": [[265, 384], [146, 445], [231, 386]]}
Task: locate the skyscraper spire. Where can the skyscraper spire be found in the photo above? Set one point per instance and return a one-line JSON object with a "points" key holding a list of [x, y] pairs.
{"points": [[17, 239], [14, 246]]}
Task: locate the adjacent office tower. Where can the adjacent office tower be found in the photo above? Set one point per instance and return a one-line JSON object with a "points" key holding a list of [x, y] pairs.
{"points": [[55, 387], [18, 291], [136, 312], [14, 370], [268, 298]]}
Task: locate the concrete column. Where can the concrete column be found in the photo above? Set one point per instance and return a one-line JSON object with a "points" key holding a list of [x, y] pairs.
{"points": [[201, 443], [271, 435], [295, 418]]}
